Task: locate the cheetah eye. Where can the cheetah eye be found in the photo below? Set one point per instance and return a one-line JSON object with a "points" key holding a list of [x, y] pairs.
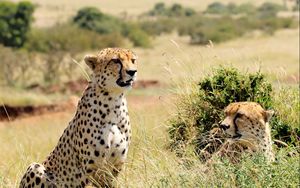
{"points": [[118, 61], [133, 61], [239, 115]]}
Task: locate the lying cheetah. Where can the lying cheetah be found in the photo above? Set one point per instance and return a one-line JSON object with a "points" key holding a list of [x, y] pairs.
{"points": [[95, 143], [247, 123]]}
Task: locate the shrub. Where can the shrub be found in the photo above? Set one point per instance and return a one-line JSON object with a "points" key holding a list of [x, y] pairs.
{"points": [[61, 40], [136, 35], [16, 68], [246, 8], [269, 9], [201, 29], [176, 9], [202, 110], [65, 38], [15, 20], [94, 20], [159, 26], [216, 8]]}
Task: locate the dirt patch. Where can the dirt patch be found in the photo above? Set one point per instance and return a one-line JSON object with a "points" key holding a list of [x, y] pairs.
{"points": [[79, 85], [8, 113]]}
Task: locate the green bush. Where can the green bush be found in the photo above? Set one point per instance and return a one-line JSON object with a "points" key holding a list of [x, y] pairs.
{"points": [[202, 29], [16, 68], [136, 35], [216, 8], [92, 19], [66, 38], [269, 9], [245, 8], [159, 26], [202, 110], [176, 10], [61, 40], [15, 20]]}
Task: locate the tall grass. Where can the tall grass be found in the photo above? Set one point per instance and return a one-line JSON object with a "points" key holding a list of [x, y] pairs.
{"points": [[150, 163]]}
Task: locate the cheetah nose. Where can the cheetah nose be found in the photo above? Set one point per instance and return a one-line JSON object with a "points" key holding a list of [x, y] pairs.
{"points": [[131, 72], [224, 126]]}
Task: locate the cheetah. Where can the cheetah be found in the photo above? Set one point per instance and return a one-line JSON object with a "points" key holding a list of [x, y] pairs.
{"points": [[95, 143], [247, 124]]}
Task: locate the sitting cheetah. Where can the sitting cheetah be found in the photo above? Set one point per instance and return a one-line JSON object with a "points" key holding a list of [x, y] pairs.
{"points": [[247, 124], [95, 143]]}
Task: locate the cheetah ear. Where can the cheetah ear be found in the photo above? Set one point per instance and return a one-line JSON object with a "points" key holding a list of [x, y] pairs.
{"points": [[268, 114], [91, 61]]}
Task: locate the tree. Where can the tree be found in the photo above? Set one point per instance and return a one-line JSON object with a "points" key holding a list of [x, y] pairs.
{"points": [[92, 19], [15, 20]]}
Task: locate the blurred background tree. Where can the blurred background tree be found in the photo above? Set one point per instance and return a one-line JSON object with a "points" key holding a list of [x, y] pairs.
{"points": [[15, 20]]}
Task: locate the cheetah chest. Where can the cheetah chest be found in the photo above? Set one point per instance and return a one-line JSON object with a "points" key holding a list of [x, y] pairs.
{"points": [[114, 144]]}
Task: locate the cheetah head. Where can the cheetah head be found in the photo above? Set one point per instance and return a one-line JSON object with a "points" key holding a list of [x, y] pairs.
{"points": [[114, 69], [247, 122]]}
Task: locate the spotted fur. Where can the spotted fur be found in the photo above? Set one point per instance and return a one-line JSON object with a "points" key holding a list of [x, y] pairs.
{"points": [[96, 141], [247, 123]]}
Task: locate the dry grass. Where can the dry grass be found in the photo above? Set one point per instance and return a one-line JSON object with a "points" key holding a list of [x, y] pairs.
{"points": [[172, 57], [25, 141], [31, 139]]}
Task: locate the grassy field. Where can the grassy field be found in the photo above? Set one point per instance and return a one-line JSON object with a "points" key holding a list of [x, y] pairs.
{"points": [[150, 163], [171, 61], [172, 57]]}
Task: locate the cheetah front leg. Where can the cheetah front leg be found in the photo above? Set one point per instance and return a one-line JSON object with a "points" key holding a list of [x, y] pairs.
{"points": [[36, 176]]}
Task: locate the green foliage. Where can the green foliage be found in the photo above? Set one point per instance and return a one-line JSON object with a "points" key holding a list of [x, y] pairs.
{"points": [[16, 68], [136, 35], [228, 85], [92, 19], [216, 8], [231, 8], [201, 29], [61, 40], [255, 171], [160, 9], [15, 20], [269, 9], [66, 38], [202, 110], [245, 8], [286, 123], [159, 26]]}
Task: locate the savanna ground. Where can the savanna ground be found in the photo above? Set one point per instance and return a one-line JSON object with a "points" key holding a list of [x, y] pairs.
{"points": [[172, 61]]}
